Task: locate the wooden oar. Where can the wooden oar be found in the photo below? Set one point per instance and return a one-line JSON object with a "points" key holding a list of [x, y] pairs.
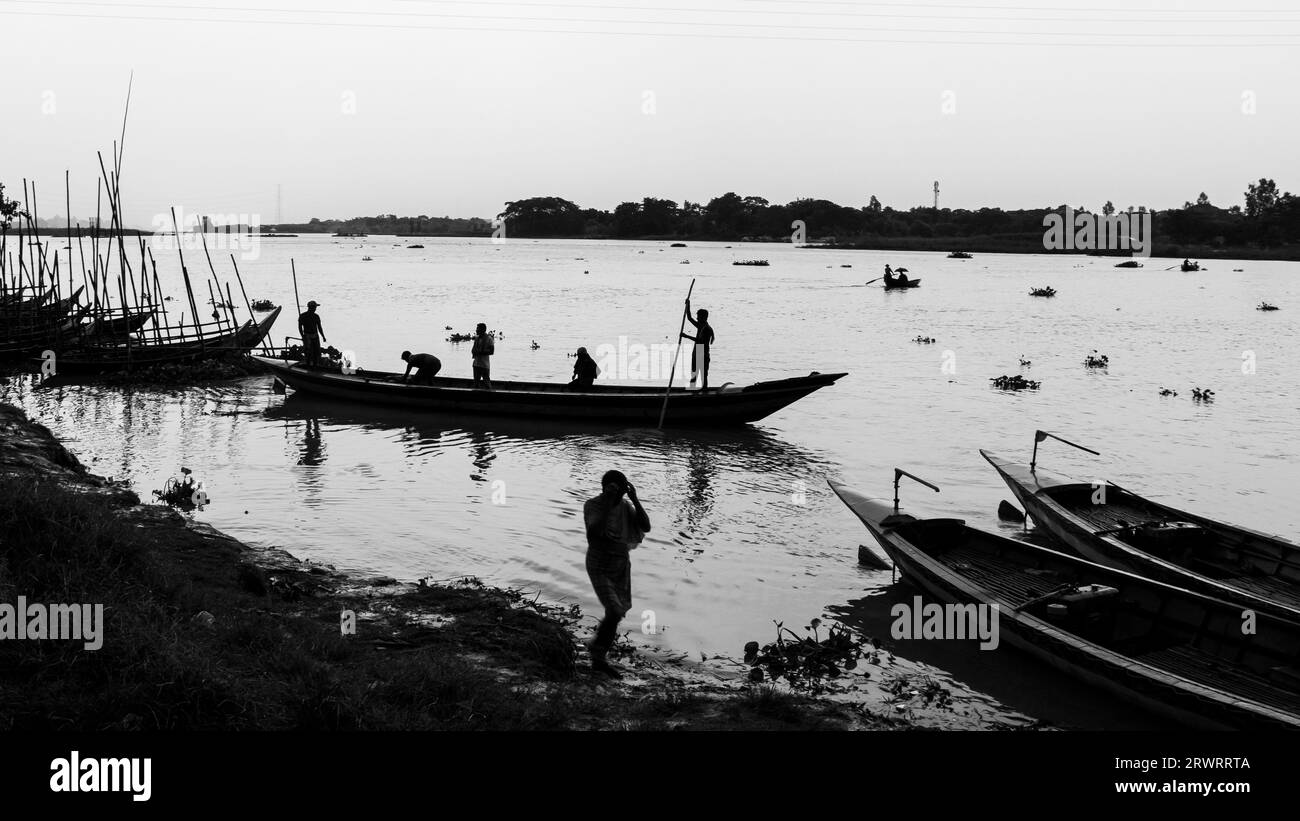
{"points": [[868, 282], [676, 353], [1048, 596]]}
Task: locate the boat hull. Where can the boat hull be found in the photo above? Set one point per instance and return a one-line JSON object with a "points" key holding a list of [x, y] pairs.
{"points": [[628, 405]]}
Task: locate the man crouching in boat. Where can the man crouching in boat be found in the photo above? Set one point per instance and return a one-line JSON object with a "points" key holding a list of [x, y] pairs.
{"points": [[428, 366], [312, 333], [614, 526]]}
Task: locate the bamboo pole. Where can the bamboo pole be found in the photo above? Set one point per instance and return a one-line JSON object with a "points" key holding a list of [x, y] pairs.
{"points": [[188, 289], [247, 302], [676, 353]]}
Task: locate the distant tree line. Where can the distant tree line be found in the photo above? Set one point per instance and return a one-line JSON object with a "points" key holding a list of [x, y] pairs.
{"points": [[1268, 220]]}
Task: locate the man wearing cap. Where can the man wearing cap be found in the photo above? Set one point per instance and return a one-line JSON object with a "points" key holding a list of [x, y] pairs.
{"points": [[428, 366], [614, 526], [585, 371], [312, 333], [482, 351]]}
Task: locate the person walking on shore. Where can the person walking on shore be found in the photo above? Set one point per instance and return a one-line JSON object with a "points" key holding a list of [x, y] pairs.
{"points": [[614, 527], [483, 348], [312, 333]]}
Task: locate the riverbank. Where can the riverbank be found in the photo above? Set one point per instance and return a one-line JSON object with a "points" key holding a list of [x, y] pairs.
{"points": [[203, 632]]}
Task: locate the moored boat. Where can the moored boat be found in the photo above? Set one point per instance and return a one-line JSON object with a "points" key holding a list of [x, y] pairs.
{"points": [[1177, 653], [727, 405], [1108, 524]]}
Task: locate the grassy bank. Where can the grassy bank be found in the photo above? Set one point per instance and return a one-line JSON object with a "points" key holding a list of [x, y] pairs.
{"points": [[202, 632]]}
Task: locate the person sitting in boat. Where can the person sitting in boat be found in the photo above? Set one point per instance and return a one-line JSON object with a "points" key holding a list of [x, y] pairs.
{"points": [[483, 348], [427, 364], [902, 277], [312, 333], [889, 276], [585, 371], [703, 339]]}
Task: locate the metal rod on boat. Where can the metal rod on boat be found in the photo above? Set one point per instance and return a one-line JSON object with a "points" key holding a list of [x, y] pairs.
{"points": [[676, 353], [1042, 435], [900, 473]]}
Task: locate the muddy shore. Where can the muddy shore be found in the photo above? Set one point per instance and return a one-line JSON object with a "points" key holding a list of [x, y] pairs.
{"points": [[204, 632]]}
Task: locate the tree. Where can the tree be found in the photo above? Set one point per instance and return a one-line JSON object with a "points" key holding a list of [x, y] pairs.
{"points": [[543, 217], [8, 209], [1202, 199], [1108, 208], [1261, 198], [874, 205]]}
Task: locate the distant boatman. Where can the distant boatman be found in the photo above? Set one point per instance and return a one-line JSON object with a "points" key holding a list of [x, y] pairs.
{"points": [[312, 333], [427, 366], [483, 348]]}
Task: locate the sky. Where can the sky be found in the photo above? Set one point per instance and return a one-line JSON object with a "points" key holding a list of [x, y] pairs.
{"points": [[332, 109]]}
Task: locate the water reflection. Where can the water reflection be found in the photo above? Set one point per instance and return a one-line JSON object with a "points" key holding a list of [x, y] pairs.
{"points": [[313, 449]]}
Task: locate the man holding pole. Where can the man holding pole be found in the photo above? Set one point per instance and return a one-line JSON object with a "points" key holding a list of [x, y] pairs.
{"points": [[703, 339], [312, 333]]}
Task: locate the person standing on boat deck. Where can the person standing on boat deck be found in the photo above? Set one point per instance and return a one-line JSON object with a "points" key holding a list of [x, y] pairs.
{"points": [[483, 348], [703, 339], [428, 366], [585, 371], [312, 333], [889, 276], [614, 527]]}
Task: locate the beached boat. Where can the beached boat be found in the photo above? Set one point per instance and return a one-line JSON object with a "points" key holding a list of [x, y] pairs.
{"points": [[895, 286], [1110, 525], [718, 406], [94, 356], [1177, 653]]}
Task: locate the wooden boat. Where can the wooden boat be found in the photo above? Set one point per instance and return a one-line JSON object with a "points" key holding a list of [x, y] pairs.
{"points": [[1124, 530], [895, 286], [118, 327], [727, 405], [1177, 653], [1195, 266], [92, 357]]}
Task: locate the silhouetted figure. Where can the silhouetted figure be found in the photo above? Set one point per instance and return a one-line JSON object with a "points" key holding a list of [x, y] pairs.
{"points": [[312, 333], [703, 339], [889, 276], [614, 526], [484, 347], [585, 371], [427, 366], [902, 279]]}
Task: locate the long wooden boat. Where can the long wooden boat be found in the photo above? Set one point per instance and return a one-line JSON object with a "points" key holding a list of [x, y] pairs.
{"points": [[1105, 523], [1174, 652], [897, 286], [88, 357], [717, 406], [17, 341]]}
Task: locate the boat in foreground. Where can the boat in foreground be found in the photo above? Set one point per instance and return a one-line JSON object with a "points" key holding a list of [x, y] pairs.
{"points": [[1105, 523], [898, 286], [727, 405], [1172, 651]]}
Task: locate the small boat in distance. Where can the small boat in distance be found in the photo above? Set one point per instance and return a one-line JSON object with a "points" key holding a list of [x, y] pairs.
{"points": [[1132, 263], [959, 255], [367, 259], [1107, 524], [727, 405], [1190, 266], [1174, 652]]}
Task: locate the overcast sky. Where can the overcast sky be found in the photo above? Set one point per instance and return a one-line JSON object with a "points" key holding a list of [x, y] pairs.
{"points": [[426, 107]]}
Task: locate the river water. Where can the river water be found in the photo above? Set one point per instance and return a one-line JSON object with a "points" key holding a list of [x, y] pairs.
{"points": [[745, 529]]}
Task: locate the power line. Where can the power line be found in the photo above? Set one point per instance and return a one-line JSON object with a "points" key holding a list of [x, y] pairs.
{"points": [[334, 24]]}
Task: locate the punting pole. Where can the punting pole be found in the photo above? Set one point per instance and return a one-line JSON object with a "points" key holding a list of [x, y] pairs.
{"points": [[194, 309], [67, 192], [251, 318], [676, 353], [295, 286]]}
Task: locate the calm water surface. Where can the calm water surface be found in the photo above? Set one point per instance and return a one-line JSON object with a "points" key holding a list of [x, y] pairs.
{"points": [[745, 530]]}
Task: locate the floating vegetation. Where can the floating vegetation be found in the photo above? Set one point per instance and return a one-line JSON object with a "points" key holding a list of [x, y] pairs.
{"points": [[415, 246], [1096, 360], [1168, 392], [925, 340], [184, 492], [470, 337], [750, 262], [1014, 383], [807, 662], [1202, 395], [1132, 263], [534, 346], [846, 266], [1047, 291], [1024, 363], [679, 245], [263, 305], [905, 688], [1264, 306]]}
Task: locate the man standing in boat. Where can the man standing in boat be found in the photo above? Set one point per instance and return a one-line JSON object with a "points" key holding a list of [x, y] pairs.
{"points": [[703, 339], [614, 527], [427, 364], [312, 333], [483, 348]]}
